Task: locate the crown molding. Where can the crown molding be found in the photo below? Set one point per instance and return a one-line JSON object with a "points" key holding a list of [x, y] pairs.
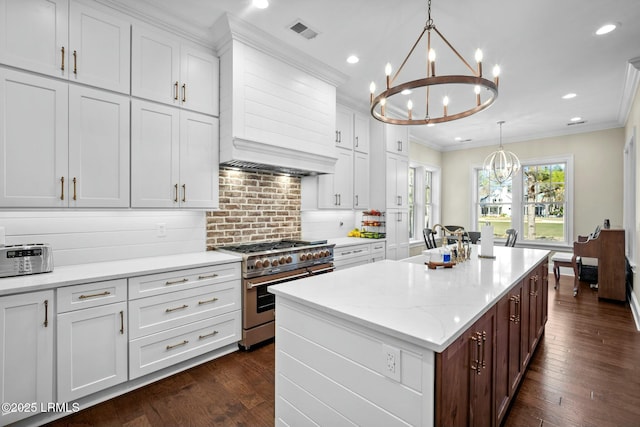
{"points": [[229, 27], [631, 82]]}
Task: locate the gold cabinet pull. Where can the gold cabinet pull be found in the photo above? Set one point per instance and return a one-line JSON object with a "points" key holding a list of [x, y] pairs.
{"points": [[182, 307], [201, 337], [209, 301], [46, 313], [175, 282], [121, 322], [175, 91], [184, 193], [475, 364], [184, 92], [62, 188], [210, 276], [185, 342], [515, 317], [75, 62], [101, 294], [75, 181], [176, 192], [483, 340], [62, 56]]}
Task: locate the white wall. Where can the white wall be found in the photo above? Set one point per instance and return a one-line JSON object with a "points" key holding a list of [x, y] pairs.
{"points": [[328, 224], [633, 126], [79, 237]]}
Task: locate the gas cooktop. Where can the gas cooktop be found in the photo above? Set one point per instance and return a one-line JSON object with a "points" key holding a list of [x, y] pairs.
{"points": [[249, 248]]}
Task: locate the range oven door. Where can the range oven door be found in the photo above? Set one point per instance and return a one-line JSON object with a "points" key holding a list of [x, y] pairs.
{"points": [[259, 304]]}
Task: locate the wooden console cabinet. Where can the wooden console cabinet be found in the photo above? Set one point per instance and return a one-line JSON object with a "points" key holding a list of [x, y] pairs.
{"points": [[608, 247]]}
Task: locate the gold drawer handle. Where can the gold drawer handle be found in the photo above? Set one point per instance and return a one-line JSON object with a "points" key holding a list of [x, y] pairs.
{"points": [[102, 294], [211, 276], [169, 310], [185, 342], [175, 282], [208, 301], [62, 62], [201, 337]]}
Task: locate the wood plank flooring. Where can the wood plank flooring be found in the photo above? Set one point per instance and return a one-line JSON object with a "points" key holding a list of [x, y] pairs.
{"points": [[585, 372]]}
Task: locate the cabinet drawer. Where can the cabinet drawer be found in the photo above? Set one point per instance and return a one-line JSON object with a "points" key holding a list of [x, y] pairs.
{"points": [[161, 312], [378, 248], [346, 252], [162, 283], [157, 351], [91, 295]]}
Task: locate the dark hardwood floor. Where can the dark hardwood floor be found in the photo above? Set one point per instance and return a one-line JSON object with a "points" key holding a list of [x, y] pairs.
{"points": [[585, 372]]}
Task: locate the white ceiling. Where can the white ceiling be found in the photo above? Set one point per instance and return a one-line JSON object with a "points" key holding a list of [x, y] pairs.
{"points": [[545, 48]]}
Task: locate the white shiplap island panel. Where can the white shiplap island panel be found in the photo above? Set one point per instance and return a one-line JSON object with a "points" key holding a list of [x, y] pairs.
{"points": [[338, 333]]}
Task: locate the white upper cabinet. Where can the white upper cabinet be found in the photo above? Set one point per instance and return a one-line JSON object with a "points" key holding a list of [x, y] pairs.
{"points": [[98, 148], [66, 39], [397, 181], [335, 190], [361, 133], [397, 139], [344, 127], [174, 72], [63, 146], [34, 35], [361, 180], [99, 48], [174, 157], [33, 140]]}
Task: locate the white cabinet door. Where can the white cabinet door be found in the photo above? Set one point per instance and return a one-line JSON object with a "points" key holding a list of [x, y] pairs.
{"points": [[200, 74], [34, 35], [99, 48], [166, 70], [361, 133], [92, 350], [361, 181], [198, 160], [397, 240], [98, 148], [33, 140], [155, 137], [335, 191], [344, 127], [26, 351], [397, 139], [155, 65], [402, 181]]}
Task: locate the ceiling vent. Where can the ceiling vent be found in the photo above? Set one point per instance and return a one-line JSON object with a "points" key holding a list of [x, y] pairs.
{"points": [[302, 29], [581, 122]]}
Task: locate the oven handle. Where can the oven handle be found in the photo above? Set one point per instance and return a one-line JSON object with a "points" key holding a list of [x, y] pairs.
{"points": [[322, 270], [251, 285]]}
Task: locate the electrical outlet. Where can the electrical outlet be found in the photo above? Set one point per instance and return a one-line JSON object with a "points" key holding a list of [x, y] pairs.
{"points": [[161, 229], [391, 359]]}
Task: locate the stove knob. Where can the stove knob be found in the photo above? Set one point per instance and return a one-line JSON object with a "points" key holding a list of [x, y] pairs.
{"points": [[282, 260], [289, 259], [316, 255], [274, 262], [258, 264], [303, 257], [309, 256], [265, 263]]}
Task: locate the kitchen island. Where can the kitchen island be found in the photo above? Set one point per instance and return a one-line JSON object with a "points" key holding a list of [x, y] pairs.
{"points": [[395, 343]]}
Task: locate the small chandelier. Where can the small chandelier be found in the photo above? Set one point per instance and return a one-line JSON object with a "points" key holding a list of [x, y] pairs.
{"points": [[380, 105], [501, 164]]}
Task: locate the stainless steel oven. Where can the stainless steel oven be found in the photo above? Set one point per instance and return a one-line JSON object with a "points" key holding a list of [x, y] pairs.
{"points": [[270, 263]]}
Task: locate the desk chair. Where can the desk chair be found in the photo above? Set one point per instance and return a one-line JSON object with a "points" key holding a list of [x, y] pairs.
{"points": [[429, 238]]}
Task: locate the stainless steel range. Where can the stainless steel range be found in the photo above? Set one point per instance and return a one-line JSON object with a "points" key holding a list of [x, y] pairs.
{"points": [[268, 263]]}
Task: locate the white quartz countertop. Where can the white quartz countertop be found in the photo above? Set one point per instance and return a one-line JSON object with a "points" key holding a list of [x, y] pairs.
{"points": [[85, 273], [430, 308]]}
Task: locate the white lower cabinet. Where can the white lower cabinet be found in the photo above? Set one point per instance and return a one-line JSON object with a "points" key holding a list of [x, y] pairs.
{"points": [[358, 254], [26, 352], [187, 313], [92, 341], [397, 234]]}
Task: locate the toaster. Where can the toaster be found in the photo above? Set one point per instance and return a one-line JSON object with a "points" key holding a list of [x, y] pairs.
{"points": [[19, 260]]}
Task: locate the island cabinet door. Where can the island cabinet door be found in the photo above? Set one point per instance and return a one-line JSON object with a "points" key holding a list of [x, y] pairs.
{"points": [[508, 368], [464, 377]]}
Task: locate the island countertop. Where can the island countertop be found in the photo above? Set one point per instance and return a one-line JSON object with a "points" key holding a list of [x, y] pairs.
{"points": [[429, 308]]}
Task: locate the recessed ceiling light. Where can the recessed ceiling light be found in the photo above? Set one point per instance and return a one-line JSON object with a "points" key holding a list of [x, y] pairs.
{"points": [[353, 59], [569, 96], [406, 92], [458, 138], [606, 29], [261, 4], [576, 119]]}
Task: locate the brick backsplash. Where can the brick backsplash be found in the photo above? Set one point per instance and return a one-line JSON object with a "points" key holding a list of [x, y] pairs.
{"points": [[255, 206]]}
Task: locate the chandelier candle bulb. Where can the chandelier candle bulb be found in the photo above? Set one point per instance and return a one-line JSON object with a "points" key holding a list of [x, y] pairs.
{"points": [[496, 74], [372, 88], [479, 60], [432, 61], [477, 91], [383, 102], [409, 108], [445, 102], [387, 71]]}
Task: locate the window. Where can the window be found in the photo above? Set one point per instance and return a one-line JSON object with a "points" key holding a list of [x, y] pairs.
{"points": [[423, 199], [535, 202]]}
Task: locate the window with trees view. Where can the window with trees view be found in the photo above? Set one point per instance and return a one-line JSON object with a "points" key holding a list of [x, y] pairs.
{"points": [[534, 202]]}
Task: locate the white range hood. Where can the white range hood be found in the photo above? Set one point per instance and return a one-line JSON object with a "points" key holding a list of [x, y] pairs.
{"points": [[277, 105]]}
